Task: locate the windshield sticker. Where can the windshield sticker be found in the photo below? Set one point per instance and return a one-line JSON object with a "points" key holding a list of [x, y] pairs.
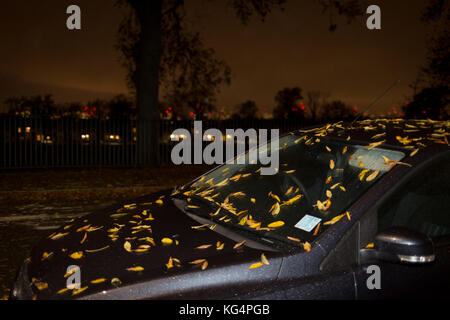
{"points": [[307, 223]]}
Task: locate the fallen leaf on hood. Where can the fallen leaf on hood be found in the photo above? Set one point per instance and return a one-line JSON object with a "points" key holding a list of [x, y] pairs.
{"points": [[275, 210], [135, 269], [166, 241], [307, 246], [239, 244], [99, 280], [362, 174], [76, 255], [198, 261], [205, 246], [127, 246], [256, 265], [264, 259], [372, 176], [78, 291], [58, 236], [276, 224]]}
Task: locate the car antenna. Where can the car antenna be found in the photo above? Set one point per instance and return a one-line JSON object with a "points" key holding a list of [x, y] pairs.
{"points": [[375, 101]]}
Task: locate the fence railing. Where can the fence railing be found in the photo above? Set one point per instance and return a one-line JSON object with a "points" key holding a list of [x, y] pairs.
{"points": [[47, 142]]}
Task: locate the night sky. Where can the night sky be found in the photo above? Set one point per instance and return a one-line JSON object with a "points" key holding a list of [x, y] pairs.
{"points": [[292, 48]]}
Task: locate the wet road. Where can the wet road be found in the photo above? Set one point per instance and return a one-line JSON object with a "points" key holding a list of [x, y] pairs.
{"points": [[21, 226]]}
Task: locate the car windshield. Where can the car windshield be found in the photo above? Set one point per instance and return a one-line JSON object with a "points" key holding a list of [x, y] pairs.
{"points": [[317, 180]]}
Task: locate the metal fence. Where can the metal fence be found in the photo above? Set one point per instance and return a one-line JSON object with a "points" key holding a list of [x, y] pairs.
{"points": [[49, 142]]}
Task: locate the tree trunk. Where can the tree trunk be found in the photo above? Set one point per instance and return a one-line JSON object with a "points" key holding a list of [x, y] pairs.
{"points": [[147, 87]]}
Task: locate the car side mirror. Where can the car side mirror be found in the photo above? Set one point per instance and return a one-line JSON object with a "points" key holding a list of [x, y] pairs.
{"points": [[398, 244]]}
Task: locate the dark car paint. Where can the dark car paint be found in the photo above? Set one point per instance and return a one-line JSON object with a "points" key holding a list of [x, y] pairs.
{"points": [[328, 271]]}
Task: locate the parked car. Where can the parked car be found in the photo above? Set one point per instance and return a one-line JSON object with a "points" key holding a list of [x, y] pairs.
{"points": [[356, 211]]}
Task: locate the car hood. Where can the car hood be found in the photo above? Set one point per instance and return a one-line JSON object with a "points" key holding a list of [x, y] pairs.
{"points": [[125, 252]]}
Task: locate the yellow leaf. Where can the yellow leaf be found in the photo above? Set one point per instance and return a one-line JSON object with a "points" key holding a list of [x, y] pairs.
{"points": [[135, 269], [204, 265], [334, 220], [166, 241], [329, 194], [205, 246], [331, 164], [264, 259], [159, 201], [290, 171], [372, 175], [293, 239], [41, 285], [362, 174], [220, 245], [344, 150], [58, 236], [76, 255], [256, 265], [370, 245], [292, 200], [62, 290], [197, 261], [127, 246], [78, 291], [99, 280], [275, 210], [307, 246], [413, 153], [276, 224], [239, 244]]}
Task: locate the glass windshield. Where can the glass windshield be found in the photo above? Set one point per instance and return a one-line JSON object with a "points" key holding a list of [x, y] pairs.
{"points": [[317, 180]]}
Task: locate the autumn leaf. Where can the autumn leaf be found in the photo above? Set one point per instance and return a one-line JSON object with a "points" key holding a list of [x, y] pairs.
{"points": [[78, 291], [316, 231], [127, 246], [331, 164], [362, 174], [204, 265], [275, 210], [239, 244], [205, 246], [334, 220], [76, 255], [58, 236], [256, 265], [276, 224], [135, 269], [264, 259], [99, 280], [292, 200], [307, 246], [198, 261], [372, 176], [219, 245], [166, 241], [293, 239]]}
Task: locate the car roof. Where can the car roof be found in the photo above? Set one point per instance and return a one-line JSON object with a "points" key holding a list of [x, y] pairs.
{"points": [[402, 134]]}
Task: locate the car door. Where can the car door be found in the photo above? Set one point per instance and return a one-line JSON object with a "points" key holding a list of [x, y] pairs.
{"points": [[421, 203]]}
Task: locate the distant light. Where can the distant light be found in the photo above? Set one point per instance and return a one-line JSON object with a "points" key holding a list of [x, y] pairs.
{"points": [[117, 137], [111, 137], [28, 129]]}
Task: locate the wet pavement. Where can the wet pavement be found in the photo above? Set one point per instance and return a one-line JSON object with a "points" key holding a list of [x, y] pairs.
{"points": [[21, 226]]}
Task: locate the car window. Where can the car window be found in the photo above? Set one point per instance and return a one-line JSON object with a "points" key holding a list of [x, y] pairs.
{"points": [[318, 178], [422, 203]]}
